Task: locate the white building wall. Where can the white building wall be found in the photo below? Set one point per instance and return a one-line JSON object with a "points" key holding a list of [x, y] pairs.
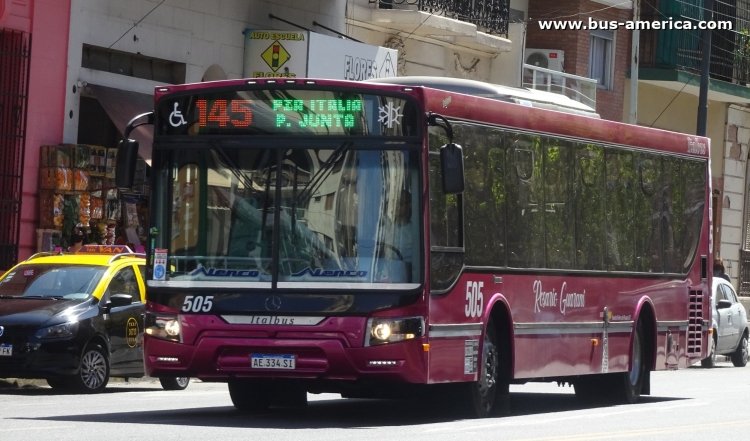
{"points": [[430, 44], [199, 33], [735, 151]]}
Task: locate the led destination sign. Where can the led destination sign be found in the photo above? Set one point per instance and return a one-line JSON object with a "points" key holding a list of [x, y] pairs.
{"points": [[289, 112], [238, 113], [319, 113]]}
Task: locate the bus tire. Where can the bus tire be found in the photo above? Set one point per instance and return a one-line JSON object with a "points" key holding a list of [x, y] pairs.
{"points": [[174, 383], [249, 395], [484, 391], [288, 394], [629, 385]]}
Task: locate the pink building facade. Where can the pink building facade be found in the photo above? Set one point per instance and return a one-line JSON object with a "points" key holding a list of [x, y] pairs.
{"points": [[33, 63]]}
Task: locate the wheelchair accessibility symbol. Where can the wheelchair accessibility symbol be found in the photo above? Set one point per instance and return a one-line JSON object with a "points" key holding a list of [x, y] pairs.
{"points": [[175, 118]]}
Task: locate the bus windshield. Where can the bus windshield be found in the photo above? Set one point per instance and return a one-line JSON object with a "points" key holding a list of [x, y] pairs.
{"points": [[293, 215]]}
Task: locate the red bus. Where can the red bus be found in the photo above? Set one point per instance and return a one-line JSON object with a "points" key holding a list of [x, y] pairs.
{"points": [[375, 239]]}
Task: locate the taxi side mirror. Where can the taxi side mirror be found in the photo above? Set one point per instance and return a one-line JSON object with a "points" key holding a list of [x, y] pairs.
{"points": [[117, 300]]}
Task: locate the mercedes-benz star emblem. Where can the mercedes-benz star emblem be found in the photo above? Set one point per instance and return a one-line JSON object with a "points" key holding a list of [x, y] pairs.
{"points": [[273, 303]]}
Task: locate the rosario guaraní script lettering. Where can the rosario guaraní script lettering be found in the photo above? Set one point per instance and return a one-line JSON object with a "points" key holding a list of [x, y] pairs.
{"points": [[564, 300]]}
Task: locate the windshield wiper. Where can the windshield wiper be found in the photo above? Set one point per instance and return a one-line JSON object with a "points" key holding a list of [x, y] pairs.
{"points": [[41, 297], [233, 167]]}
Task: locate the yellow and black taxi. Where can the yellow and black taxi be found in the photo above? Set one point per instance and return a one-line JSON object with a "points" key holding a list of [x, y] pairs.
{"points": [[75, 319]]}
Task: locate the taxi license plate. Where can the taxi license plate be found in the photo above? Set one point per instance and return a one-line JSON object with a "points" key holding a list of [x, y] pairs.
{"points": [[6, 350], [272, 361]]}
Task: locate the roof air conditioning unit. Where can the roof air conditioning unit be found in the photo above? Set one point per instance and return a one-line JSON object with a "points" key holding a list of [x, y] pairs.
{"points": [[547, 58]]}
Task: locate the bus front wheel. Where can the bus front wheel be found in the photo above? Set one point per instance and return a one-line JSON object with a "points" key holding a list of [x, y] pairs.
{"points": [[249, 395], [483, 392]]}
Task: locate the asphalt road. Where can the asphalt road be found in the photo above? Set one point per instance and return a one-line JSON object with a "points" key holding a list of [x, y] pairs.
{"points": [[691, 404]]}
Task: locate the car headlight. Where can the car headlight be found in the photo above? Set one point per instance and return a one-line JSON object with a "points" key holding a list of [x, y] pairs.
{"points": [[63, 330], [390, 330], [164, 326]]}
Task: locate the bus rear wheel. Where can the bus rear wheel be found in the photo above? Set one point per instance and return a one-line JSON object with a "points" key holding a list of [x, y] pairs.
{"points": [[634, 379], [620, 387]]}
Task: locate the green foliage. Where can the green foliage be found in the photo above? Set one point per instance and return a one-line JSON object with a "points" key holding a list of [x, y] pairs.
{"points": [[742, 55]]}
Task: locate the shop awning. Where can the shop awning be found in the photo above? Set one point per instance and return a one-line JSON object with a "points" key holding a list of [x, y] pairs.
{"points": [[122, 106]]}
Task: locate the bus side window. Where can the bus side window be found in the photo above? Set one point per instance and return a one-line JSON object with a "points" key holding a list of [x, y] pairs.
{"points": [[525, 201], [589, 205]]}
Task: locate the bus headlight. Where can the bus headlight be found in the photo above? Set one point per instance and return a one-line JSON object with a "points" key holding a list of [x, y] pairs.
{"points": [[164, 326], [382, 330]]}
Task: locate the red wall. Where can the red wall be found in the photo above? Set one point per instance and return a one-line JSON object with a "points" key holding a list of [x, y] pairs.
{"points": [[48, 22]]}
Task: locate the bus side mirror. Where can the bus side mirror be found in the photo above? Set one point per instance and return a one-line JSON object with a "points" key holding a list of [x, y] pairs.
{"points": [[127, 155], [452, 167]]}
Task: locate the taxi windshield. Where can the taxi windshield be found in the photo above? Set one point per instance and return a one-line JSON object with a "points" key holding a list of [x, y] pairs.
{"points": [[51, 281]]}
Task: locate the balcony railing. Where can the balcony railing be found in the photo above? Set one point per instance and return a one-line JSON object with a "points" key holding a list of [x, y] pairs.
{"points": [[580, 89], [680, 49], [490, 16]]}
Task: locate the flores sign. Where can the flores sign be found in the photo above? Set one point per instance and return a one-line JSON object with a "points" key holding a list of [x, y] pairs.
{"points": [[294, 54]]}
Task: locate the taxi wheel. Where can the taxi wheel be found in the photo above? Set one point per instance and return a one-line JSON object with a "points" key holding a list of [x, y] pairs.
{"points": [[93, 372], [174, 383]]}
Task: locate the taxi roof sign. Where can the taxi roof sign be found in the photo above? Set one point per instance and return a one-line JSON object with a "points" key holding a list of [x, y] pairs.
{"points": [[104, 249]]}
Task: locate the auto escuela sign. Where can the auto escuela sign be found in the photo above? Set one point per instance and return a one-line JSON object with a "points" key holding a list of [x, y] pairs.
{"points": [[291, 54]]}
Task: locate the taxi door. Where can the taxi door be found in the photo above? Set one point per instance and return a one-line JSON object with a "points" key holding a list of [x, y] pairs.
{"points": [[124, 324]]}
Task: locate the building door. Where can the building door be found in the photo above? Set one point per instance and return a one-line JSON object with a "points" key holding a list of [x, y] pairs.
{"points": [[15, 47]]}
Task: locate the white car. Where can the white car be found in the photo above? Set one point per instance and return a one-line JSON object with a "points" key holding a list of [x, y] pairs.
{"points": [[730, 331]]}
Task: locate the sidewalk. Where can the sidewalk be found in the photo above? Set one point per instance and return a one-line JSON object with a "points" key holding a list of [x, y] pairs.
{"points": [[21, 383]]}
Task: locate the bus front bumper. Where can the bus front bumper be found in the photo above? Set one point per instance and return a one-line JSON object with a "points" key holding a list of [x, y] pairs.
{"points": [[220, 358]]}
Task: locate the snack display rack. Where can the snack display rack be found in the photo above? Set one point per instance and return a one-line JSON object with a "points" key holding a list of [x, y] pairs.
{"points": [[78, 196]]}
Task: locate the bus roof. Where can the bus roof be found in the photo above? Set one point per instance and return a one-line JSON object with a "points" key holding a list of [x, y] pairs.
{"points": [[528, 97]]}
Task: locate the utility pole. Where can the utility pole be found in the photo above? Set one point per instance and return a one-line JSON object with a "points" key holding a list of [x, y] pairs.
{"points": [[708, 16], [635, 37]]}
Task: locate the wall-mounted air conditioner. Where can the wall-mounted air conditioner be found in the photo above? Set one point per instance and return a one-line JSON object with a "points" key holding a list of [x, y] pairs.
{"points": [[547, 58]]}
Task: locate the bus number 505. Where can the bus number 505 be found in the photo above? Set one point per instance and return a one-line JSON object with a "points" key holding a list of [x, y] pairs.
{"points": [[474, 299], [198, 303]]}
